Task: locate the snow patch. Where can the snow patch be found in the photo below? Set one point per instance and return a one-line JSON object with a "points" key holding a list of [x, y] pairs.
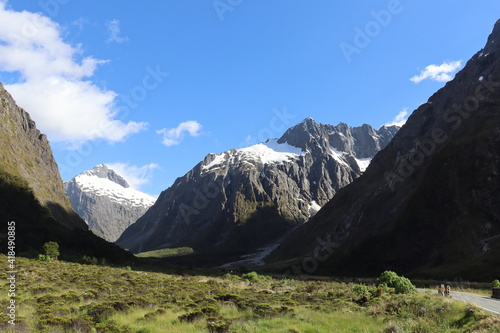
{"points": [[481, 78], [115, 192], [363, 163], [338, 156], [313, 208], [269, 152]]}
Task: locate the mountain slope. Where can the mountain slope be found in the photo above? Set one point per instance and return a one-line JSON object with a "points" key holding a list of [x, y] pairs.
{"points": [[32, 195], [106, 201], [429, 203], [26, 153], [246, 198]]}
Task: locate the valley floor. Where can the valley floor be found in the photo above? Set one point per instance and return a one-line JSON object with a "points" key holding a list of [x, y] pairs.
{"points": [[68, 297]]}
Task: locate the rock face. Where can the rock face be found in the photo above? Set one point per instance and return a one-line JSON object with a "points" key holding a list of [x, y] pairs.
{"points": [[26, 153], [106, 201], [429, 203], [32, 196], [246, 198]]}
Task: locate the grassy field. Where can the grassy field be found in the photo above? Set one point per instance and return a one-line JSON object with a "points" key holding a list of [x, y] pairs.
{"points": [[163, 253], [68, 297]]}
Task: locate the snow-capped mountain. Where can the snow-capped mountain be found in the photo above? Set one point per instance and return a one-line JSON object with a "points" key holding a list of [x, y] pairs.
{"points": [[106, 201], [245, 198], [429, 204]]}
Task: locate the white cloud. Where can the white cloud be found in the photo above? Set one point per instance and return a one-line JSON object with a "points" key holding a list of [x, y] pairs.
{"points": [[114, 32], [400, 119], [53, 82], [439, 73], [174, 136], [136, 176]]}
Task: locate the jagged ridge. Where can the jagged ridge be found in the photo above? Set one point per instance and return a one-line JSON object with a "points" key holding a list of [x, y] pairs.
{"points": [[106, 201], [428, 204], [245, 198]]}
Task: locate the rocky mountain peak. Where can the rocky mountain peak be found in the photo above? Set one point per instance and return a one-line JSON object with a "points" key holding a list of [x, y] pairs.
{"points": [[493, 43], [306, 135], [247, 198], [103, 171], [430, 203], [106, 201], [361, 142]]}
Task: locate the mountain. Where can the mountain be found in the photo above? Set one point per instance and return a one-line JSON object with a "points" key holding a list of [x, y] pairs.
{"points": [[429, 203], [246, 198], [25, 153], [32, 197], [106, 201]]}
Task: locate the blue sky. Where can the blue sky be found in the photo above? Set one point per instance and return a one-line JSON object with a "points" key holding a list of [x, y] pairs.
{"points": [[152, 87]]}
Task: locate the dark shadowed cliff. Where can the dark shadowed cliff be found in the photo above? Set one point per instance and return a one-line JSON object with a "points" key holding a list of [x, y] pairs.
{"points": [[429, 203]]}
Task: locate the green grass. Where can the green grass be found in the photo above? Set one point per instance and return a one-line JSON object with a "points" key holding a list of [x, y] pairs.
{"points": [[63, 297], [163, 253]]}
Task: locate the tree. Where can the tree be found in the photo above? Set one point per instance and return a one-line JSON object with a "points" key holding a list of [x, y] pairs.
{"points": [[51, 250], [495, 284]]}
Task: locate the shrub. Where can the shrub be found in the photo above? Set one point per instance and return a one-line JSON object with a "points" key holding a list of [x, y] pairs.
{"points": [[254, 277], [227, 297], [495, 284], [230, 276], [209, 310], [43, 257], [404, 286], [51, 249], [191, 316], [89, 260], [216, 325], [401, 284], [360, 290], [388, 278], [264, 310]]}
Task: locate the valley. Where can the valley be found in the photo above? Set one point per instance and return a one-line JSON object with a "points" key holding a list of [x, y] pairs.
{"points": [[60, 297], [314, 228]]}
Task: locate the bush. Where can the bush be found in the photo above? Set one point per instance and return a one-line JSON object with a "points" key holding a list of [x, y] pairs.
{"points": [[495, 284], [254, 277], [230, 276], [404, 286], [191, 316], [87, 260], [401, 284], [388, 278], [43, 257], [360, 290], [51, 249]]}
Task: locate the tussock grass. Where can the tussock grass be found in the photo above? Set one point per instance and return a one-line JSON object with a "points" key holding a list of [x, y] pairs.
{"points": [[67, 297]]}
